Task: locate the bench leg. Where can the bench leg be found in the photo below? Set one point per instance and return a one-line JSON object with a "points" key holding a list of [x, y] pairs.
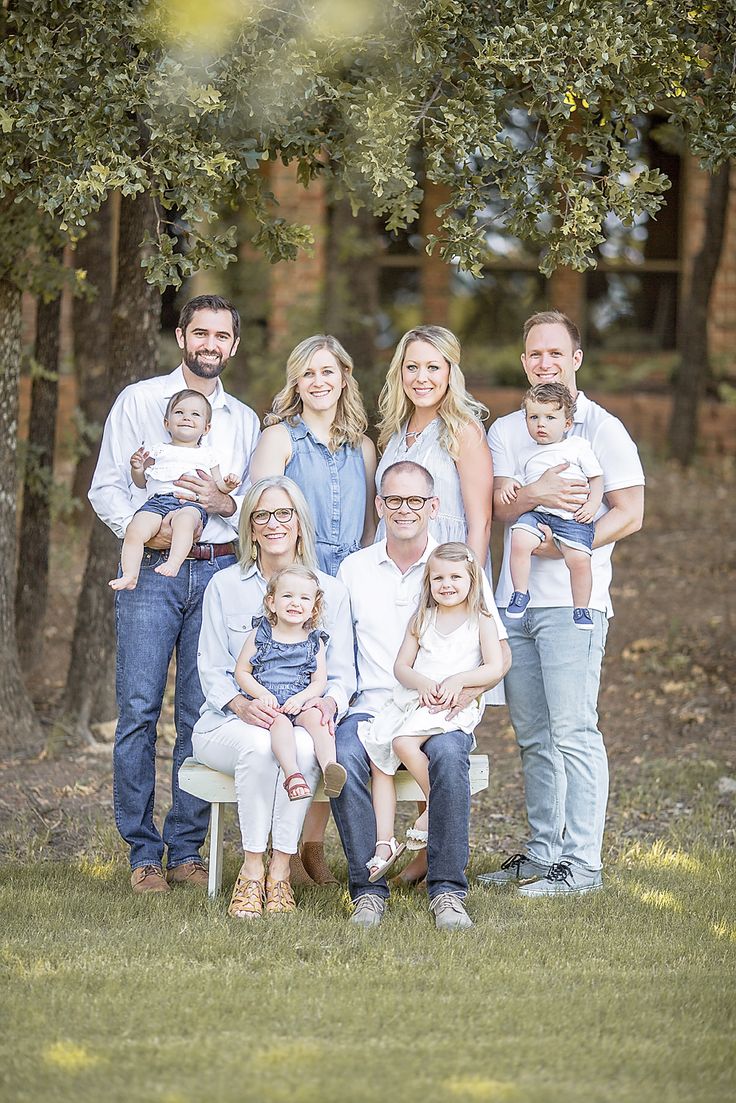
{"points": [[215, 878]]}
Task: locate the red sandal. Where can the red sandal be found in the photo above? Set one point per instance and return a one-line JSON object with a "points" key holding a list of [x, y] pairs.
{"points": [[296, 787]]}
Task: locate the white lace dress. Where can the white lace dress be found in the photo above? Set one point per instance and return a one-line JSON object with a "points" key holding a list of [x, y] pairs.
{"points": [[438, 657]]}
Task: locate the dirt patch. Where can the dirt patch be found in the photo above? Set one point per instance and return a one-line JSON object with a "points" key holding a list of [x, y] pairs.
{"points": [[667, 694]]}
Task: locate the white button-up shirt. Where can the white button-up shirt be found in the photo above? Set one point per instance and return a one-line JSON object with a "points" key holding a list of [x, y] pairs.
{"points": [[382, 602], [137, 418], [549, 581], [231, 600]]}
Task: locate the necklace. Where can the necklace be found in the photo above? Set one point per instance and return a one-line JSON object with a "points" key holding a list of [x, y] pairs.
{"points": [[416, 435]]}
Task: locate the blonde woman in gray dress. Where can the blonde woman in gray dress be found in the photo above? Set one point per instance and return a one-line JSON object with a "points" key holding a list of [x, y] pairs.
{"points": [[428, 416]]}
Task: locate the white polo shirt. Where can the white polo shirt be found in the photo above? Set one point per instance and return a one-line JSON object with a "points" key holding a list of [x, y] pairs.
{"points": [[137, 418], [382, 602], [549, 581]]}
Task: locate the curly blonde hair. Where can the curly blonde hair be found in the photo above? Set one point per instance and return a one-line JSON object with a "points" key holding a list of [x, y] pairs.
{"points": [[453, 552], [457, 409], [350, 421], [305, 548], [306, 575]]}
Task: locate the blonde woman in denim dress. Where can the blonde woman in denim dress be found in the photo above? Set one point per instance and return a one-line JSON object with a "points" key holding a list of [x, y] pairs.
{"points": [[315, 434]]}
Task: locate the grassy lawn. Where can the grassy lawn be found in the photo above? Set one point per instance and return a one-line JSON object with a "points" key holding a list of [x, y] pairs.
{"points": [[627, 995]]}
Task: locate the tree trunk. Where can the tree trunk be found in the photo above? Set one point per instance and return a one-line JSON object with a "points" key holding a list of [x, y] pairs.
{"points": [[134, 337], [35, 529], [351, 292], [19, 728], [692, 375], [92, 346]]}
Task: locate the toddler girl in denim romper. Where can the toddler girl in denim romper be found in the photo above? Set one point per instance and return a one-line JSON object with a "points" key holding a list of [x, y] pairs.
{"points": [[282, 664]]}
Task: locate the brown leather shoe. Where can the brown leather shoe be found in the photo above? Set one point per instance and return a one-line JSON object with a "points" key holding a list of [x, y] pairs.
{"points": [[279, 897], [148, 879], [313, 860], [297, 873], [189, 873]]}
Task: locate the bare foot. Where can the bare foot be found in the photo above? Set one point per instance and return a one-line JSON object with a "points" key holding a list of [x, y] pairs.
{"points": [[125, 582], [168, 569]]}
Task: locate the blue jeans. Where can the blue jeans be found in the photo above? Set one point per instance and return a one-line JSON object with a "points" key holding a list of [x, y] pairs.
{"points": [[552, 693], [449, 815], [158, 616]]}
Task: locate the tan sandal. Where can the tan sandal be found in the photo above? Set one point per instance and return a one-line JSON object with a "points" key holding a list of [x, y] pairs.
{"points": [[279, 897], [246, 901]]}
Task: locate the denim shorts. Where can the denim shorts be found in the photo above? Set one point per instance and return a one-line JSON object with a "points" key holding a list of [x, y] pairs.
{"points": [[165, 503], [573, 533]]}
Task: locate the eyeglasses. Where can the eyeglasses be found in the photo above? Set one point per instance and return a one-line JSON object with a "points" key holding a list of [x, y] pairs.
{"points": [[263, 516], [415, 502]]}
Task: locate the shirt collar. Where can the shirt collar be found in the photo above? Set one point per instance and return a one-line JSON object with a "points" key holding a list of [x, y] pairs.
{"points": [[384, 557], [250, 570], [582, 402], [176, 382]]}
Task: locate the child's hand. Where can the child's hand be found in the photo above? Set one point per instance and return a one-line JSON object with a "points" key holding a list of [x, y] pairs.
{"points": [[428, 692], [293, 705], [508, 494], [449, 690], [586, 513], [231, 481], [267, 698], [141, 459]]}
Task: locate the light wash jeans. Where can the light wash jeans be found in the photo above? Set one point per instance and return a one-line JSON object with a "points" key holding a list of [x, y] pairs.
{"points": [[449, 810], [552, 693], [159, 616]]}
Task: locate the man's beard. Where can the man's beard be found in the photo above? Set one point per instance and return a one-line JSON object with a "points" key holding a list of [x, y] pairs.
{"points": [[203, 370]]}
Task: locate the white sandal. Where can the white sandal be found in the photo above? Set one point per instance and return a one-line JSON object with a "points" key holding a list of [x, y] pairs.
{"points": [[416, 839], [377, 866]]}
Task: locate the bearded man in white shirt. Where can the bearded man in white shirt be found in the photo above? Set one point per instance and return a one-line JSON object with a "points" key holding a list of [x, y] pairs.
{"points": [[384, 583], [164, 614], [552, 687]]}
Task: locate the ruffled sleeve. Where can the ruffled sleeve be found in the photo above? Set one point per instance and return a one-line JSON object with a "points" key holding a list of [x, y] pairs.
{"points": [[315, 637], [263, 638]]}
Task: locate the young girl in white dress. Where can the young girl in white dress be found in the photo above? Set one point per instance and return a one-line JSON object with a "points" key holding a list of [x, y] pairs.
{"points": [[450, 645]]}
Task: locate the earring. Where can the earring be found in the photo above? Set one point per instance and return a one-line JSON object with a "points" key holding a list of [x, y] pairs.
{"points": [[299, 546], [254, 553]]}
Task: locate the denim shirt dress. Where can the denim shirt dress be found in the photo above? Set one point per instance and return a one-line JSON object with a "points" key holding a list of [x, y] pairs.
{"points": [[334, 485], [284, 668]]}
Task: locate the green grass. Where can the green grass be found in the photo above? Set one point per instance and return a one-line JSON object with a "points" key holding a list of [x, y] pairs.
{"points": [[627, 995]]}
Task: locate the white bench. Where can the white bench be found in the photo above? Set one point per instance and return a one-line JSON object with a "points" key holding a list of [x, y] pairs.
{"points": [[219, 789]]}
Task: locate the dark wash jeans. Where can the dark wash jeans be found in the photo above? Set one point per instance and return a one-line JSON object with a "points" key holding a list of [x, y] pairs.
{"points": [[449, 810], [161, 615]]}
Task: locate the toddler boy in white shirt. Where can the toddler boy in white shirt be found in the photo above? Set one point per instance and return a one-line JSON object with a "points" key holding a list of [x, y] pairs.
{"points": [[549, 410]]}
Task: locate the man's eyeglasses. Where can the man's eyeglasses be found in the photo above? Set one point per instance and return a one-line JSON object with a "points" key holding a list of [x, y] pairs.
{"points": [[415, 502], [263, 516]]}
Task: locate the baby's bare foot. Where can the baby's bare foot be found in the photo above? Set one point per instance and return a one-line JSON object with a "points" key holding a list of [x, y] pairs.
{"points": [[125, 582], [169, 570]]}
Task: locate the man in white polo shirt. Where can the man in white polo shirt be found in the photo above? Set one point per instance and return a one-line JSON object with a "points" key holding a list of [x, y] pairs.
{"points": [[552, 687], [384, 582]]}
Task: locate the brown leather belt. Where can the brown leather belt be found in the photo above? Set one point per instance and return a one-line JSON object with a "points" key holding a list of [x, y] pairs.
{"points": [[211, 551]]}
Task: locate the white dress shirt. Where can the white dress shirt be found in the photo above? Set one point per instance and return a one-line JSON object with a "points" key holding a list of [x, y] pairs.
{"points": [[549, 581], [382, 602], [137, 418], [231, 600]]}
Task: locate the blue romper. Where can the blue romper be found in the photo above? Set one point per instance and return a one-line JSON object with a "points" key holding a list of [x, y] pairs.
{"points": [[284, 668], [334, 485]]}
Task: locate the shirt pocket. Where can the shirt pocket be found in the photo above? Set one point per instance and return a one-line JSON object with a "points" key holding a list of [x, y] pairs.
{"points": [[238, 628]]}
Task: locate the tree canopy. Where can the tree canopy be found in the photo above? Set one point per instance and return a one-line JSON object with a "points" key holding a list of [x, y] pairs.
{"points": [[186, 101]]}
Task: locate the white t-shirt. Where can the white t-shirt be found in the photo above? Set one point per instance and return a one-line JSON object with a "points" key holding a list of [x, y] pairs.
{"points": [[549, 582], [538, 458], [382, 602], [175, 460]]}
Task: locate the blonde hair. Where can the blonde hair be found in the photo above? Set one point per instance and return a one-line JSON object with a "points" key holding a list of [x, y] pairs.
{"points": [[350, 417], [453, 552], [457, 409], [305, 545], [299, 572]]}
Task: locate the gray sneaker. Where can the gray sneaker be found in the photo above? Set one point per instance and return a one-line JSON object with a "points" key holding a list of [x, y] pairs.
{"points": [[369, 910], [449, 912], [564, 880], [519, 867]]}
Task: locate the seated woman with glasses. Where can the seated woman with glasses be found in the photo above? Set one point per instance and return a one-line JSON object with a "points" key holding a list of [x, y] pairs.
{"points": [[233, 731], [428, 416]]}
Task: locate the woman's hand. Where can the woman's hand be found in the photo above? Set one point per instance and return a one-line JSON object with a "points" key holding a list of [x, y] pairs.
{"points": [[253, 712]]}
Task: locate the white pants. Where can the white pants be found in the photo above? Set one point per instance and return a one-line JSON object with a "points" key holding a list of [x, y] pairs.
{"points": [[264, 808]]}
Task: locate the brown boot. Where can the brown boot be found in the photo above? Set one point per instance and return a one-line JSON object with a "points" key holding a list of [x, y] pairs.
{"points": [[313, 860], [193, 874], [297, 873], [148, 879]]}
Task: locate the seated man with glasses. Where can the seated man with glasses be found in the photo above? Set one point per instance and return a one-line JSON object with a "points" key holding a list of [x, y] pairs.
{"points": [[384, 583]]}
